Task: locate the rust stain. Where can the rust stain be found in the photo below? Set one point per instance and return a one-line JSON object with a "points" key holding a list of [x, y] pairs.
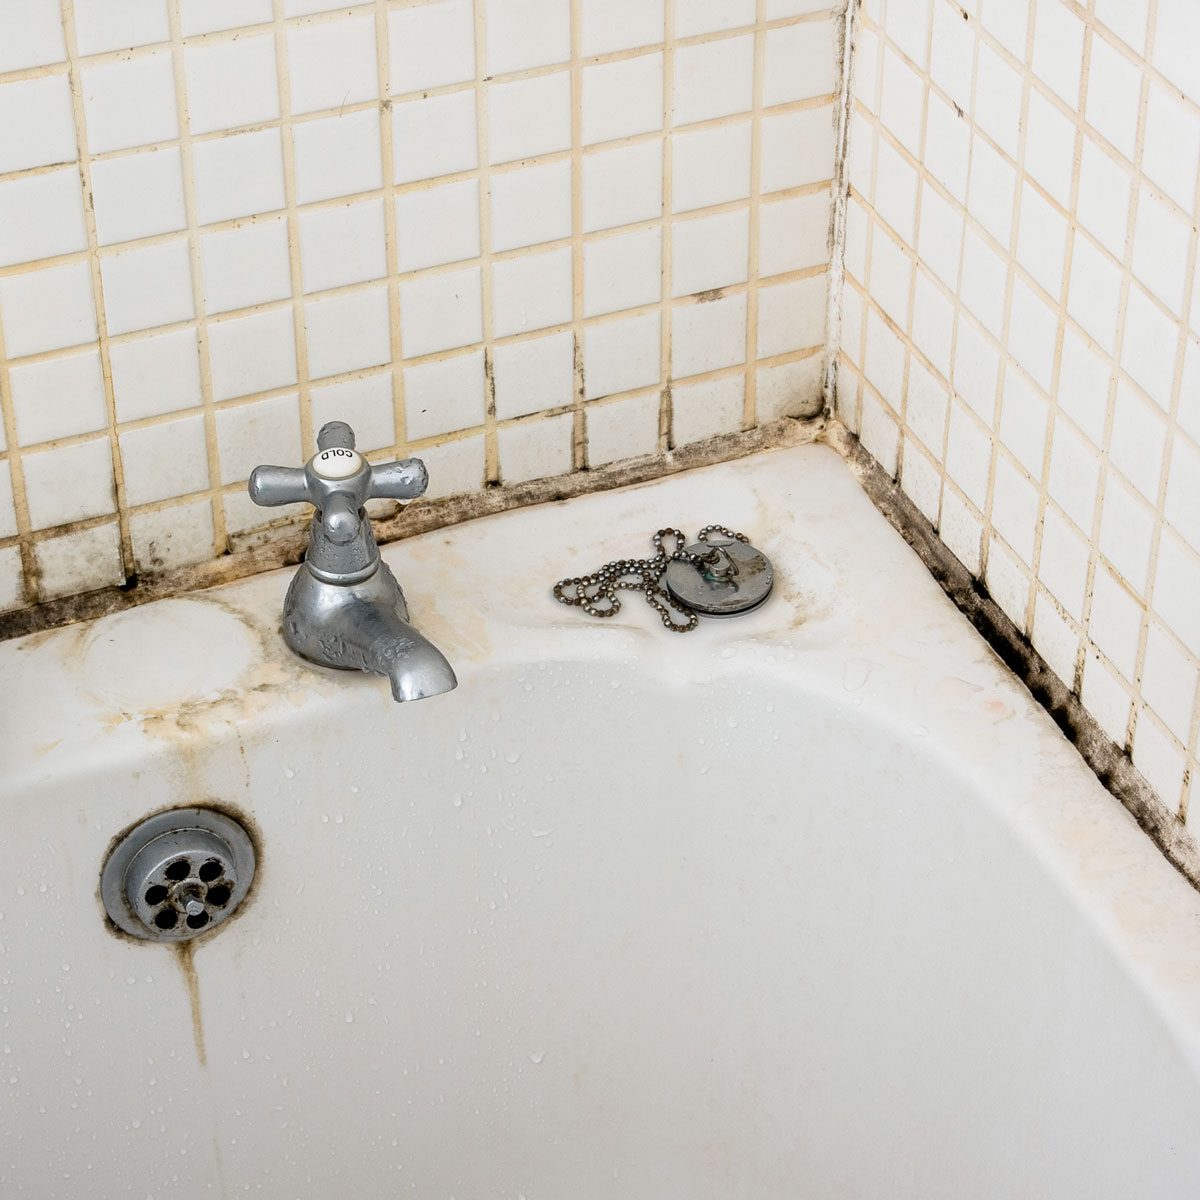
{"points": [[185, 955]]}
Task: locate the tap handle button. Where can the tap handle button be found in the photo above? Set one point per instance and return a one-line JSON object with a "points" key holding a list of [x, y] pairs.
{"points": [[404, 480], [272, 486]]}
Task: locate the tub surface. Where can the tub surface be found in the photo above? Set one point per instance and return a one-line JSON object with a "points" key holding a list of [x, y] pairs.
{"points": [[816, 903]]}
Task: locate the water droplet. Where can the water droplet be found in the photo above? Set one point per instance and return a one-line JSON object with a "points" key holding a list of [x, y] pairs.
{"points": [[537, 1056], [289, 773]]}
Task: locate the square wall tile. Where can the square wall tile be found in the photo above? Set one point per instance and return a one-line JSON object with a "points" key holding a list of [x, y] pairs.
{"points": [[246, 266], [47, 309], [454, 467], [791, 316], [622, 98], [365, 404], [167, 538], [622, 271], [342, 245], [80, 562], [31, 35], [535, 449], [794, 234], [706, 409], [531, 206], [88, 465], [711, 166], [156, 375], [797, 148], [208, 16], [231, 83], [610, 25], [37, 123], [622, 186], [1058, 49], [694, 17], [147, 286], [266, 431], [532, 292], [253, 354], [445, 396], [436, 225], [801, 62], [332, 63], [713, 79], [528, 117], [1172, 146], [708, 336], [102, 25], [526, 33], [710, 252], [441, 312], [534, 374], [790, 389], [238, 176], [58, 397], [622, 355], [434, 137], [622, 429], [129, 102], [41, 216], [138, 195], [1113, 96], [431, 45], [8, 515], [161, 461], [348, 332], [337, 156]]}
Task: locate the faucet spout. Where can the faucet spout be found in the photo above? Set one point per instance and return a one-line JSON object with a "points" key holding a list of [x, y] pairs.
{"points": [[415, 667]]}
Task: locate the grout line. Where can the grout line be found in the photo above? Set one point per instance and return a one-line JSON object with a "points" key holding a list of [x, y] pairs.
{"points": [[491, 443], [750, 398], [579, 446], [666, 414], [30, 590]]}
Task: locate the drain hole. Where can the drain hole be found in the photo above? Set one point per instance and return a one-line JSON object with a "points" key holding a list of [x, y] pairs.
{"points": [[156, 894], [211, 870], [179, 869], [218, 895], [166, 919], [198, 921]]}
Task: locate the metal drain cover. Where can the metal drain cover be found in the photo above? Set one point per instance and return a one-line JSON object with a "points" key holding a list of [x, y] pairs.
{"points": [[177, 874], [738, 581]]}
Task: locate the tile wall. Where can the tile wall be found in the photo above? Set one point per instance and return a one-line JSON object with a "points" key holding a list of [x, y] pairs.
{"points": [[1019, 328], [517, 237]]}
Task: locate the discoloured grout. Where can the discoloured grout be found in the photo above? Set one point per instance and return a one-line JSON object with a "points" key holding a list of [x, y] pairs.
{"points": [[1111, 764]]}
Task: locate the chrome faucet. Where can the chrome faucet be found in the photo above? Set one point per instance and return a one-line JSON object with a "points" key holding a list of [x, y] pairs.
{"points": [[345, 608]]}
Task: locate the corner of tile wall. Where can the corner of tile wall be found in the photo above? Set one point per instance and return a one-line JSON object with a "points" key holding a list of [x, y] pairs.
{"points": [[1019, 329], [518, 239]]}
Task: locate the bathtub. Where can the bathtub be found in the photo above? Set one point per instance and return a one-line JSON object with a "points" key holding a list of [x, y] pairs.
{"points": [[815, 903]]}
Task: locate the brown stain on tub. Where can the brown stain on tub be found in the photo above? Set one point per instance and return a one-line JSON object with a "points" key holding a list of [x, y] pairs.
{"points": [[185, 955]]}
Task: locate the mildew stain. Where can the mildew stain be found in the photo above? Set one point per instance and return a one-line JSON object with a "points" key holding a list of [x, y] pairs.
{"points": [[185, 955]]}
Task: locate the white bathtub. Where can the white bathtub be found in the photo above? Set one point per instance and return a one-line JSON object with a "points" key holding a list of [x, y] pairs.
{"points": [[812, 904]]}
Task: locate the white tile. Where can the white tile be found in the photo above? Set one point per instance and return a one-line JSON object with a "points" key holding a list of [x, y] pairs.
{"points": [[532, 292], [1106, 698], [1074, 475], [535, 449], [619, 356], [332, 63], [883, 364], [623, 429], [365, 404], [1176, 585], [710, 252], [436, 225], [267, 431], [1171, 146], [902, 104], [1176, 34], [610, 25], [1126, 532], [793, 234], [146, 286], [167, 538], [231, 83], [102, 25], [952, 52], [1159, 760], [947, 147], [713, 79], [1032, 331], [337, 156], [991, 190], [790, 389], [80, 562], [431, 45], [1083, 385], [707, 337], [305, 8], [155, 375], [440, 312], [968, 454], [1148, 348], [454, 467], [932, 323], [711, 166], [895, 189], [711, 16], [526, 33], [1024, 420], [1189, 392], [706, 409], [1182, 507], [998, 100], [976, 369], [879, 432], [245, 266], [130, 102], [342, 245], [58, 397], [1160, 247], [1041, 239], [801, 61], [90, 493], [252, 354], [1007, 582], [622, 271], [1138, 437], [531, 206], [434, 137], [1115, 622], [528, 117], [622, 186], [41, 216], [47, 309], [165, 460], [1128, 19], [866, 80], [534, 375], [31, 35], [238, 176], [1169, 682], [348, 332], [1008, 23], [208, 16], [921, 481], [444, 396], [907, 23], [1058, 49], [939, 237], [622, 98], [791, 316], [37, 123], [1055, 638], [1103, 202], [1113, 96], [8, 513], [1095, 292], [1063, 563], [926, 406], [1050, 147], [138, 195]]}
